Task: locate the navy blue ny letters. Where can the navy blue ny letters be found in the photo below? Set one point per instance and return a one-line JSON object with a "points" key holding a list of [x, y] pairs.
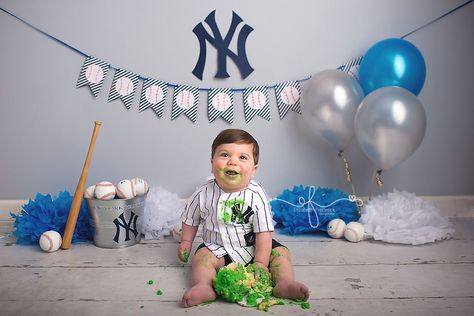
{"points": [[222, 46]]}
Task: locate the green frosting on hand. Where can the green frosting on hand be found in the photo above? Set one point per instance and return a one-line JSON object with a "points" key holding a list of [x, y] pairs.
{"points": [[184, 255]]}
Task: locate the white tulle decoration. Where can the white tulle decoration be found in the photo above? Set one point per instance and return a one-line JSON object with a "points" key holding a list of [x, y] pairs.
{"points": [[161, 214], [402, 217]]}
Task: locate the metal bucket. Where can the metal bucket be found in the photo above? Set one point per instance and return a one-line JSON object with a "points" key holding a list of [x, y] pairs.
{"points": [[116, 222]]}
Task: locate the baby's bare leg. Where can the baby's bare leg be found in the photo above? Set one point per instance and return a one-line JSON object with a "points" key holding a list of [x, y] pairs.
{"points": [[204, 267], [283, 276]]}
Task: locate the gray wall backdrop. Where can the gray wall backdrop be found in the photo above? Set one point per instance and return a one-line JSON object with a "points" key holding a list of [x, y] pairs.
{"points": [[46, 123]]}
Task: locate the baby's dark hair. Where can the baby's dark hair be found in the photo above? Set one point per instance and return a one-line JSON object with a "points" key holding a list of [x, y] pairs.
{"points": [[239, 136]]}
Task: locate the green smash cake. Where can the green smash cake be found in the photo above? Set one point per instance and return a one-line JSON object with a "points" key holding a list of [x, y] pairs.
{"points": [[247, 286]]}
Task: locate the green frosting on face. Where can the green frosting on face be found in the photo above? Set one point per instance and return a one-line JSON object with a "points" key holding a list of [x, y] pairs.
{"points": [[235, 179]]}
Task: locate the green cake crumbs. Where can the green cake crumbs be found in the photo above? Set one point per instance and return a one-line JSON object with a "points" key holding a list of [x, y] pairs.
{"points": [[159, 292], [227, 217], [249, 286], [150, 282], [303, 304], [275, 253]]}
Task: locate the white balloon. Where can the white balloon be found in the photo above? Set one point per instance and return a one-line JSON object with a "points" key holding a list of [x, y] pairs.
{"points": [[329, 102], [389, 126]]}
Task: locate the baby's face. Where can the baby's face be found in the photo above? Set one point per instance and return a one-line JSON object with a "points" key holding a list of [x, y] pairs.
{"points": [[233, 166]]}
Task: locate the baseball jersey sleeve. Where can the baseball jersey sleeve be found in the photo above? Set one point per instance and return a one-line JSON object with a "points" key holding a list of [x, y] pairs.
{"points": [[262, 219], [192, 211]]}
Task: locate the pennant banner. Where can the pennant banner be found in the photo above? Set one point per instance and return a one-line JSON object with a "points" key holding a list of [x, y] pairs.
{"points": [[92, 74], [123, 87], [288, 95], [153, 96], [221, 104], [256, 101], [185, 100], [352, 67]]}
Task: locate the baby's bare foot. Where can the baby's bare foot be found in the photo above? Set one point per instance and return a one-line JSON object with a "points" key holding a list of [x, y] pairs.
{"points": [[198, 294], [291, 289]]}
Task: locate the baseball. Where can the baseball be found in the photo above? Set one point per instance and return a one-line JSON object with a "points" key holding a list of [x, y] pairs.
{"points": [[290, 95], [221, 101], [94, 73], [50, 241], [176, 232], [124, 86], [185, 99], [125, 189], [256, 100], [354, 232], [104, 190], [154, 94], [336, 228], [89, 192], [140, 185]]}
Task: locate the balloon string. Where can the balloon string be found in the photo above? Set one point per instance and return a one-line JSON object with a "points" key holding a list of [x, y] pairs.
{"points": [[347, 170], [378, 178], [346, 166]]}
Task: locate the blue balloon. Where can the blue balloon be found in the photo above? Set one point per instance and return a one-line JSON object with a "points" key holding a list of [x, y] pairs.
{"points": [[392, 62]]}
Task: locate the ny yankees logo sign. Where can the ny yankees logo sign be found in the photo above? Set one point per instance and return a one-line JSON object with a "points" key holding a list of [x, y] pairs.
{"points": [[221, 44], [127, 227]]}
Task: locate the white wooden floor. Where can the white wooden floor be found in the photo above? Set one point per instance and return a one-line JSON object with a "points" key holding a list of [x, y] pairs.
{"points": [[367, 278]]}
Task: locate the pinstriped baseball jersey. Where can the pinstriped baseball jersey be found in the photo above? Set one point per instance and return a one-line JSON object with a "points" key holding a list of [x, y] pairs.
{"points": [[230, 220]]}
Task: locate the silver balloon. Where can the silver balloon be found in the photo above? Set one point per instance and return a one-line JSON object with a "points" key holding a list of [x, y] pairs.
{"points": [[389, 126], [329, 102]]}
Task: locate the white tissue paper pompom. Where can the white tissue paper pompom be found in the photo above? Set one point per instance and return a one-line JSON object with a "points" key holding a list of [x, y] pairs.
{"points": [[402, 217], [162, 212]]}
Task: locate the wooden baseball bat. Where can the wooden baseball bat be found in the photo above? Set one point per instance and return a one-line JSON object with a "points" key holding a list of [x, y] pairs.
{"points": [[76, 202]]}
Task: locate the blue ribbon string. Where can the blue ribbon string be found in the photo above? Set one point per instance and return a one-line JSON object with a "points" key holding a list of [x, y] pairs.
{"points": [[208, 89]]}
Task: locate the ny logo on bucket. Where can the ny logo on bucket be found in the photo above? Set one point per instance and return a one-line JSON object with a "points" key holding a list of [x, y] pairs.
{"points": [[221, 44], [127, 227]]}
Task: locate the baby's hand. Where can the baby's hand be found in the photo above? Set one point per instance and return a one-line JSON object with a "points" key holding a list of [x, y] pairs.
{"points": [[183, 250], [261, 265]]}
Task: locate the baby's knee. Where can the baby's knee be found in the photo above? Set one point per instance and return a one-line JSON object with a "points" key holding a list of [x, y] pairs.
{"points": [[204, 257], [279, 252]]}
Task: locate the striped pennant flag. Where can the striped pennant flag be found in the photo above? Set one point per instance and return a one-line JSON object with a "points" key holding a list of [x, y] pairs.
{"points": [[288, 95], [352, 67], [256, 101], [185, 100], [153, 96], [221, 104], [123, 87], [93, 74]]}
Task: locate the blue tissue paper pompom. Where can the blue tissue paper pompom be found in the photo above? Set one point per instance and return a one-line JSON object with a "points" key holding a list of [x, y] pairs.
{"points": [[307, 209], [45, 213]]}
